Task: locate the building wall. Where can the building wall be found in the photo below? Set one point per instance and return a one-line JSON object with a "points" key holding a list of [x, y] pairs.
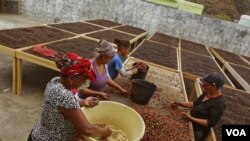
{"points": [[152, 17]]}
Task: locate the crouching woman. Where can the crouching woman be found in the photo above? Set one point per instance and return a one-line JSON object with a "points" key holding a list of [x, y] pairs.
{"points": [[62, 118]]}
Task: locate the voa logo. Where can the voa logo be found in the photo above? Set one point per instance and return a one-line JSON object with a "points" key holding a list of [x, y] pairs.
{"points": [[236, 132]]}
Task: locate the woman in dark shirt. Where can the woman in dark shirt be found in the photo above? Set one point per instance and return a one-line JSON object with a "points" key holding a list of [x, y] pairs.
{"points": [[207, 109]]}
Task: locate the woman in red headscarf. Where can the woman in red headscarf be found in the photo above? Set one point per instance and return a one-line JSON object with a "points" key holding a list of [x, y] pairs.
{"points": [[62, 118]]}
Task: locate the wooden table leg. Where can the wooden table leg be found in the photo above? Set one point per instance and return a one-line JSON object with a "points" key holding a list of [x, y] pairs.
{"points": [[193, 95], [14, 75], [19, 77]]}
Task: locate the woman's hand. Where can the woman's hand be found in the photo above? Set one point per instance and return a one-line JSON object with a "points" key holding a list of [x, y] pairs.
{"points": [[186, 115], [104, 95], [125, 92], [106, 132], [175, 105], [91, 102], [134, 71]]}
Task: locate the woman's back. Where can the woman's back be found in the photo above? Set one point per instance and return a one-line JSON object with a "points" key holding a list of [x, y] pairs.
{"points": [[53, 125]]}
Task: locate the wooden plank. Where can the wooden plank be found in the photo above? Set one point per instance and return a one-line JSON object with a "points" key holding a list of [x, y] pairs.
{"points": [[184, 89], [208, 49], [191, 130], [104, 23], [134, 39], [194, 77], [165, 39], [115, 26], [244, 59], [28, 47], [165, 44], [135, 48], [198, 53], [103, 28], [235, 89], [236, 76], [137, 36], [141, 39], [31, 58], [95, 24], [186, 44], [90, 38], [37, 60], [197, 87], [156, 74], [193, 95], [97, 40], [19, 77], [211, 135], [93, 31], [230, 82], [7, 50], [217, 55], [142, 35], [178, 59], [190, 88], [190, 76], [160, 66], [14, 75], [223, 68], [177, 56], [62, 30]]}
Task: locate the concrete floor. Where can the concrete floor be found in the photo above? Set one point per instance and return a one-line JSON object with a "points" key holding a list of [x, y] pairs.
{"points": [[18, 114]]}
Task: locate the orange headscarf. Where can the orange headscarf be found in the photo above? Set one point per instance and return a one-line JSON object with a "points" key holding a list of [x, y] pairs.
{"points": [[73, 64]]}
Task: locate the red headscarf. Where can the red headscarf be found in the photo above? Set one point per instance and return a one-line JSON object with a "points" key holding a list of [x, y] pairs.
{"points": [[74, 64]]}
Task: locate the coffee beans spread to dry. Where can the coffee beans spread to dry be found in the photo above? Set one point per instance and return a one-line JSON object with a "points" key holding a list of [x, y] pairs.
{"points": [[160, 127]]}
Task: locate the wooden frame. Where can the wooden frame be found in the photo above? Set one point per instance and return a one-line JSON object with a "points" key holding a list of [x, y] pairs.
{"points": [[179, 45], [236, 76], [208, 50], [193, 76], [133, 42], [211, 55], [7, 51], [177, 55], [103, 26], [12, 53], [185, 99], [18, 54], [198, 53], [21, 55], [244, 59], [223, 61]]}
